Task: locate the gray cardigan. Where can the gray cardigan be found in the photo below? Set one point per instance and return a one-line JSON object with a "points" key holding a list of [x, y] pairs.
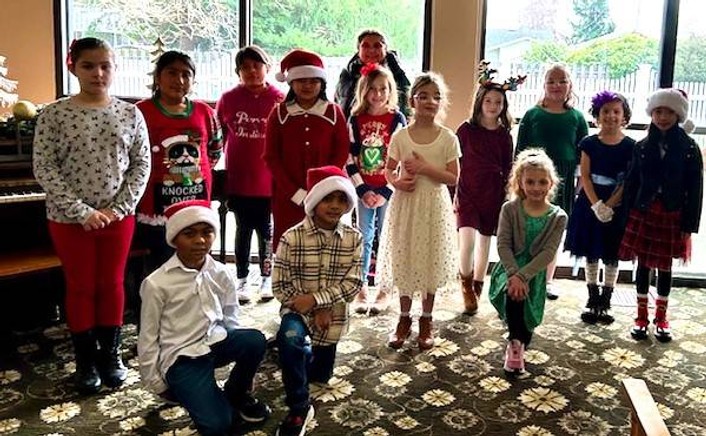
{"points": [[511, 240]]}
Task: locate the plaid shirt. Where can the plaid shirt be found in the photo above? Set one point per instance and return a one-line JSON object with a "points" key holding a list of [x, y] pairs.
{"points": [[308, 261]]}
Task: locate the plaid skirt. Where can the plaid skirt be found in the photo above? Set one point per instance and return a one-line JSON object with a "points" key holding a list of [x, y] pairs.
{"points": [[654, 238]]}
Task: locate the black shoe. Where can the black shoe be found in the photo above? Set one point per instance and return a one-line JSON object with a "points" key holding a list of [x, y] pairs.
{"points": [[109, 363], [604, 316], [294, 424], [639, 330], [86, 380], [551, 295], [252, 410], [590, 315]]}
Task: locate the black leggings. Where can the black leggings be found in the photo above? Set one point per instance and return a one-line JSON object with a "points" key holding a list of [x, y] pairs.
{"points": [[515, 316], [252, 214]]}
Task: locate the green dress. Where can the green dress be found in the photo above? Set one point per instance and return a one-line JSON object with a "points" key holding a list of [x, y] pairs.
{"points": [[534, 303]]}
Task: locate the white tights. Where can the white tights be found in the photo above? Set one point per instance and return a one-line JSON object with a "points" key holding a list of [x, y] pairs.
{"points": [[473, 256]]}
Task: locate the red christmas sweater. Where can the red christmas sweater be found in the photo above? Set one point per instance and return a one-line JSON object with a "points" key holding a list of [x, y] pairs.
{"points": [[184, 149]]}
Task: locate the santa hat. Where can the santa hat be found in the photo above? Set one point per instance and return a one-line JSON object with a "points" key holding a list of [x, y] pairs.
{"points": [[187, 213], [320, 182], [301, 64], [674, 99]]}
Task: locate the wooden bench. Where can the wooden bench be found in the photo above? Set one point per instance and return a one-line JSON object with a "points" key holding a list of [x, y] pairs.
{"points": [[645, 419]]}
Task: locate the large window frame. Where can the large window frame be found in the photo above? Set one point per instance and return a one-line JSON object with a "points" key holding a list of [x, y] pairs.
{"points": [[61, 24]]}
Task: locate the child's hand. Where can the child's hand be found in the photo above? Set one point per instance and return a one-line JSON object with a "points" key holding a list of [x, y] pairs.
{"points": [[405, 183], [517, 289], [369, 199], [110, 214], [96, 221], [301, 303], [323, 319], [603, 213], [379, 201], [415, 165]]}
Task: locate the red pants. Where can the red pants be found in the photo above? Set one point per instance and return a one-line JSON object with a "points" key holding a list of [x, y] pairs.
{"points": [[94, 269]]}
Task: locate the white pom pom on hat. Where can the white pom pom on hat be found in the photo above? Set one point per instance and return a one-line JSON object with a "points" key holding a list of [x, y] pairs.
{"points": [[301, 64], [322, 181], [187, 213]]}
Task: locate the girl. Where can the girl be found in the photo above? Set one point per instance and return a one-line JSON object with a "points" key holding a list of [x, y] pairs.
{"points": [[486, 146], [529, 233], [557, 127], [305, 131], [595, 227], [243, 113], [663, 193], [417, 247], [186, 144], [91, 156], [374, 119]]}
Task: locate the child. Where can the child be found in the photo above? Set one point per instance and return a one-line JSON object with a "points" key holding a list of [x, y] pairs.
{"points": [[663, 193], [529, 233], [91, 156], [557, 127], [306, 131], [317, 273], [374, 119], [190, 326], [595, 227], [486, 146], [418, 243], [186, 144], [243, 112]]}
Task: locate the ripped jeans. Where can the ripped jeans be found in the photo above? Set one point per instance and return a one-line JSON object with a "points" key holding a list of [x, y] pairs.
{"points": [[301, 362]]}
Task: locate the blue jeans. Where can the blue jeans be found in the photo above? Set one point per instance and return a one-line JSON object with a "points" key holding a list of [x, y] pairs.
{"points": [[301, 362], [367, 220], [192, 379]]}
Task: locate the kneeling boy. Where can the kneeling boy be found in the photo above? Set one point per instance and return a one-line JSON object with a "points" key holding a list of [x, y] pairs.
{"points": [[189, 327], [317, 272]]}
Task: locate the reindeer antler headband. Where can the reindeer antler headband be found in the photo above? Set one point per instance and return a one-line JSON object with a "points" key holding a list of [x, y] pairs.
{"points": [[485, 78]]}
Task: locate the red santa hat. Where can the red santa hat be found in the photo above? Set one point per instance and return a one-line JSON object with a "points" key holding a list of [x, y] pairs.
{"points": [[187, 213], [674, 99], [322, 181], [301, 64]]}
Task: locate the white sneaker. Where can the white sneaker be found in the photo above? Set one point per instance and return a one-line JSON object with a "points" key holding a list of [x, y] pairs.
{"points": [[241, 289], [266, 289]]}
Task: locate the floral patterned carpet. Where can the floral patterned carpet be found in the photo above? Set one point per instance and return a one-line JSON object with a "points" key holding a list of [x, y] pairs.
{"points": [[458, 387]]}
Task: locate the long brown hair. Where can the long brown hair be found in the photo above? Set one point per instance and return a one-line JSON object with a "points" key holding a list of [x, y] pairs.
{"points": [[504, 118]]}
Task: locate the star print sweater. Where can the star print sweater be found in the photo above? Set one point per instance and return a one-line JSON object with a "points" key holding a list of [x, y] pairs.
{"points": [[185, 148], [87, 159]]}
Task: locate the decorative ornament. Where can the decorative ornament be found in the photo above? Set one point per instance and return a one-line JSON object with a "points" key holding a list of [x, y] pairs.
{"points": [[486, 75]]}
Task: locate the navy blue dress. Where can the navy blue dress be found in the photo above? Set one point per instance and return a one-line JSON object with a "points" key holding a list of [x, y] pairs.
{"points": [[586, 236]]}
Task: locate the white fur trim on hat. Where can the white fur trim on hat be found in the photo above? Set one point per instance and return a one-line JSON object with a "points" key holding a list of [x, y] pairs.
{"points": [[671, 98], [327, 186], [189, 216], [302, 72]]}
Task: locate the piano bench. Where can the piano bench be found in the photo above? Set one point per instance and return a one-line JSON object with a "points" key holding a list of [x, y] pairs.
{"points": [[20, 263]]}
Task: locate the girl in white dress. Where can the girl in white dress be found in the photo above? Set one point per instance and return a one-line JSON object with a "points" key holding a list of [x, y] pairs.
{"points": [[418, 250]]}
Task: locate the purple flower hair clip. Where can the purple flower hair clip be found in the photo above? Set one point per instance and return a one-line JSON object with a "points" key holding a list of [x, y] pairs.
{"points": [[602, 98]]}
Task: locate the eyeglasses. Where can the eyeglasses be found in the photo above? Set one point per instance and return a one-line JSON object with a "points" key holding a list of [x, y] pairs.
{"points": [[426, 97]]}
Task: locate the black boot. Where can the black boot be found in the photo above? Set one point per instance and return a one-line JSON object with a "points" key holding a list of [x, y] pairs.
{"points": [[590, 315], [604, 315], [86, 380], [110, 365]]}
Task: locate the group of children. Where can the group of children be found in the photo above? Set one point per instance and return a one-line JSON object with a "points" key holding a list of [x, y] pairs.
{"points": [[286, 158]]}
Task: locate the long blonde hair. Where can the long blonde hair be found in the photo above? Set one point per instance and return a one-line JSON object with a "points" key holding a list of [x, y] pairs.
{"points": [[534, 158], [360, 103], [570, 96]]}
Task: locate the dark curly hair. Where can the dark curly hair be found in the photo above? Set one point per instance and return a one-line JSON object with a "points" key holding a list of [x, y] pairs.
{"points": [[603, 97]]}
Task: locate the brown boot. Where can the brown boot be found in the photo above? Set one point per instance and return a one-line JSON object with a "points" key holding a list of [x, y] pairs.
{"points": [[477, 287], [402, 332], [426, 336], [470, 299]]}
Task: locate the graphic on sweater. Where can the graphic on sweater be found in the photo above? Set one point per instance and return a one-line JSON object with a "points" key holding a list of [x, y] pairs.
{"points": [[183, 179], [373, 150]]}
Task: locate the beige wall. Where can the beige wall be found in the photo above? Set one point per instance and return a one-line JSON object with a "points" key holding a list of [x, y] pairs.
{"points": [[456, 49], [27, 40]]}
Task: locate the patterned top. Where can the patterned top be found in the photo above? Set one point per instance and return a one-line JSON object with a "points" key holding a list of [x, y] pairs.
{"points": [[309, 261], [87, 159]]}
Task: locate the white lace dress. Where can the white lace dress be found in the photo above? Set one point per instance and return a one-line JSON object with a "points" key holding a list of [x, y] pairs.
{"points": [[418, 250]]}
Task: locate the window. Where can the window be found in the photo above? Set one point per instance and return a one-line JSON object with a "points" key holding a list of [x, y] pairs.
{"points": [[209, 32]]}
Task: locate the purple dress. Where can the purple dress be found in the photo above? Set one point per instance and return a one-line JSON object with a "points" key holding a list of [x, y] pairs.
{"points": [[486, 162]]}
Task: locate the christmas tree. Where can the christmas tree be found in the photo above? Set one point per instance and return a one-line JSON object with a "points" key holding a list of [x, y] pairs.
{"points": [[156, 53], [7, 86]]}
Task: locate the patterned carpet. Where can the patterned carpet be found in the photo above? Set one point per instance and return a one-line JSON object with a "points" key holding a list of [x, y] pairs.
{"points": [[456, 388]]}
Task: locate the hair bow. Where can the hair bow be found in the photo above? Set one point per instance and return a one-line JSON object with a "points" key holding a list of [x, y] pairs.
{"points": [[368, 68]]}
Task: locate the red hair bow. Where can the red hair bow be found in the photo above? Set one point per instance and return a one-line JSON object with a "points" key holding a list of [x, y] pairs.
{"points": [[368, 68]]}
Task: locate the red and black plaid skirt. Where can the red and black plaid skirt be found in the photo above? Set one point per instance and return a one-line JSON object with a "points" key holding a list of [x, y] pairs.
{"points": [[654, 238]]}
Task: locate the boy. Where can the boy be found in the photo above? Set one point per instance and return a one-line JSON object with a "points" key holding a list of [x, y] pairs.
{"points": [[189, 326], [243, 112], [317, 273]]}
